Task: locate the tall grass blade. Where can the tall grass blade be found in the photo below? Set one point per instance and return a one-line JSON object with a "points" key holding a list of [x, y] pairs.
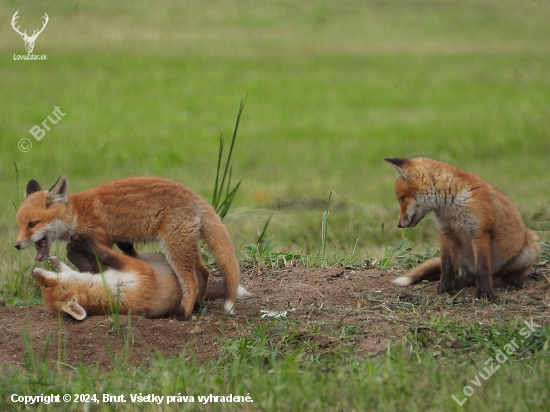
{"points": [[222, 183], [324, 228]]}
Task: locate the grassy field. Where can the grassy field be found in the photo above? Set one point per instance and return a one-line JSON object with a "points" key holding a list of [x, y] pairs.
{"points": [[332, 88]]}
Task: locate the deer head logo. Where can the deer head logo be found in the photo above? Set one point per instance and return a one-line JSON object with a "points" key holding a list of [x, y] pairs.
{"points": [[29, 40]]}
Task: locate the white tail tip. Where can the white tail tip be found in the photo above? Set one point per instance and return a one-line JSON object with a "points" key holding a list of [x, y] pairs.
{"points": [[402, 281], [229, 307], [242, 292]]}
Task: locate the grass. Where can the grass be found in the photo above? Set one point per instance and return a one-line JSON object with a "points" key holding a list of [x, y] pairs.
{"points": [[331, 91], [278, 370], [332, 88]]}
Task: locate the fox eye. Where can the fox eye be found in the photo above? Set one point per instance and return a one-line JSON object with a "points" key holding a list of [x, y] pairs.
{"points": [[46, 286], [402, 199], [33, 224]]}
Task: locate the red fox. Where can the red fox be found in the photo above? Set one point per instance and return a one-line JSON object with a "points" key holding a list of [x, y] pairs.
{"points": [[481, 232], [133, 210], [122, 284]]}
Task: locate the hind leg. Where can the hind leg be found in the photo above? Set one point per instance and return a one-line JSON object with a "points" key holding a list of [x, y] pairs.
{"points": [[202, 274], [182, 256], [519, 266], [512, 282]]}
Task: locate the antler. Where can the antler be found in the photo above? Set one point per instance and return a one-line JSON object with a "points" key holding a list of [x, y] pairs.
{"points": [[35, 35], [15, 16]]}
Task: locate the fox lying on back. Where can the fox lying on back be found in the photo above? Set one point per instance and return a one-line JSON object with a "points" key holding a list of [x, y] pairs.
{"points": [[481, 232], [123, 283]]}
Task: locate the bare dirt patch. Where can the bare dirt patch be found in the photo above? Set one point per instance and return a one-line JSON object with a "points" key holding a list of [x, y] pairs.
{"points": [[359, 308]]}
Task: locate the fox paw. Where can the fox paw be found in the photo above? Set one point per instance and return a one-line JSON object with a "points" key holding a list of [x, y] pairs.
{"points": [[512, 282], [82, 242], [486, 294], [445, 287]]}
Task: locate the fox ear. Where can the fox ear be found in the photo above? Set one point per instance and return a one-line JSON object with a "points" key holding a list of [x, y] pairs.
{"points": [[32, 187], [398, 164], [74, 309], [58, 192]]}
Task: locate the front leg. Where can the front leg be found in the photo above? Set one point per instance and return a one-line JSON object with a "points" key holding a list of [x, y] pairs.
{"points": [[88, 253], [81, 256], [447, 282], [484, 277]]}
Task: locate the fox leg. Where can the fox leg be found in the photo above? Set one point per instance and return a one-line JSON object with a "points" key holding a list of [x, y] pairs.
{"points": [[202, 272], [447, 282], [483, 274], [85, 245], [520, 265], [202, 276], [81, 256], [182, 256]]}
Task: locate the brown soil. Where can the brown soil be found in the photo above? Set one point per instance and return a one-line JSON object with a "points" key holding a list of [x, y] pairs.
{"points": [[329, 301]]}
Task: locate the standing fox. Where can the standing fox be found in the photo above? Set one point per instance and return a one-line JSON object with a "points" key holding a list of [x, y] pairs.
{"points": [[133, 210], [123, 284], [480, 231]]}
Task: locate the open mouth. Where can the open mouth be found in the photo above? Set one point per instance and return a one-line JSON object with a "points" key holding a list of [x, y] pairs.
{"points": [[42, 249]]}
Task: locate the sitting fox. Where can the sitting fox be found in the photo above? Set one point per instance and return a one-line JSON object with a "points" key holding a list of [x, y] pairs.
{"points": [[134, 210], [122, 284], [481, 232]]}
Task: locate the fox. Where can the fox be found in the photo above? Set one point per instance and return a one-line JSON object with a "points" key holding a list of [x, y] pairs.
{"points": [[134, 209], [122, 283], [481, 233]]}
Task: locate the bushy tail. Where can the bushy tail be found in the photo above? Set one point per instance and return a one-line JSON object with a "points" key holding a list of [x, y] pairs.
{"points": [[218, 241], [429, 270]]}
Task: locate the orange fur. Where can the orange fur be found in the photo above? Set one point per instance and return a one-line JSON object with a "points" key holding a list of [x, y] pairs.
{"points": [[481, 232], [128, 290], [137, 209]]}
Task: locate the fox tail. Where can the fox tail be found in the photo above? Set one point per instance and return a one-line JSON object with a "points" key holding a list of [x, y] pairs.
{"points": [[217, 239], [429, 270]]}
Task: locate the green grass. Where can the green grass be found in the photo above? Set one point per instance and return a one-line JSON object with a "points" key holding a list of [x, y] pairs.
{"points": [[333, 88], [280, 371]]}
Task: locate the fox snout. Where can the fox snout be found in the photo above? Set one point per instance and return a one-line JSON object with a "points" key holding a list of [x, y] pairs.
{"points": [[17, 246], [405, 222]]}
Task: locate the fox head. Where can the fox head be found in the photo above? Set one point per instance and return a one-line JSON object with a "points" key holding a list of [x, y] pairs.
{"points": [[57, 296], [39, 217], [409, 192]]}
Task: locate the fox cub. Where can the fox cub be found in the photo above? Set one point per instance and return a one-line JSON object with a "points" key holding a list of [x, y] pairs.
{"points": [[122, 284], [481, 232], [137, 209]]}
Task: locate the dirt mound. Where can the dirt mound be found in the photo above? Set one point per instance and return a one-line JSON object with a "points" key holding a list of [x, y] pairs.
{"points": [[362, 308]]}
